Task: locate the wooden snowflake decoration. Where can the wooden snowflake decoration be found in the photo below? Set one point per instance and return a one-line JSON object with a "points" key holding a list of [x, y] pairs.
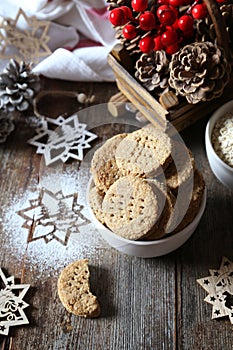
{"points": [[61, 139], [24, 44], [219, 286], [12, 304], [53, 216]]}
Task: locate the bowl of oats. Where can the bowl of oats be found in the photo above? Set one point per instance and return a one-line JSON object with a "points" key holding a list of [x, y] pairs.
{"points": [[219, 143]]}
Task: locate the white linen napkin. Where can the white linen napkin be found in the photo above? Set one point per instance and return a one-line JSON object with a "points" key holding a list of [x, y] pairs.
{"points": [[80, 35]]}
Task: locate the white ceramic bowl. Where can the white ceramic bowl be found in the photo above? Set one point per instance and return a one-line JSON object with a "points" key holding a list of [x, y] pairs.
{"points": [[221, 170], [146, 249]]}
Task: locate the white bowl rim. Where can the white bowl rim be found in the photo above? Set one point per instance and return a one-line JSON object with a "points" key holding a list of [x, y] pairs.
{"points": [[169, 238], [209, 131]]}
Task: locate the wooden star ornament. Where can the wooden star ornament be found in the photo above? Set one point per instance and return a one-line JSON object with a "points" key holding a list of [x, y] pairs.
{"points": [[68, 140], [24, 44], [219, 286], [12, 304], [53, 216]]}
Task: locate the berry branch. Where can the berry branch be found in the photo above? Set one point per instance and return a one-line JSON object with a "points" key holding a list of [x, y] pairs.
{"points": [[160, 25]]}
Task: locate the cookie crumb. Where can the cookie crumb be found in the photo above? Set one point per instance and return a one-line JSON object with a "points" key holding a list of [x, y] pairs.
{"points": [[66, 326]]}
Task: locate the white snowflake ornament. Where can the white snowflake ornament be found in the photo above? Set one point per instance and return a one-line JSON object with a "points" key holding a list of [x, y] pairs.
{"points": [[12, 303], [61, 139], [219, 286]]}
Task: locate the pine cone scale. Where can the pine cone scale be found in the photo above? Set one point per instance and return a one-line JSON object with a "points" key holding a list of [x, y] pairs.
{"points": [[16, 100], [189, 88], [23, 106], [11, 91]]}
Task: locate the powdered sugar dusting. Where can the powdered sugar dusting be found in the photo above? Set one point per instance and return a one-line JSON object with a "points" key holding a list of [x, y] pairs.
{"points": [[47, 258]]}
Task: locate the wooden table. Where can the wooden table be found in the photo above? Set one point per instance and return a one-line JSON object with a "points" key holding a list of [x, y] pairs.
{"points": [[146, 303]]}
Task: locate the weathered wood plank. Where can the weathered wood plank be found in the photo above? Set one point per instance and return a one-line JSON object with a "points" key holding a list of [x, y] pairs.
{"points": [[211, 241], [135, 312], [147, 304]]}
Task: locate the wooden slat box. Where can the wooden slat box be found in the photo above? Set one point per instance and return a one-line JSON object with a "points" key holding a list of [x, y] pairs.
{"points": [[181, 116]]}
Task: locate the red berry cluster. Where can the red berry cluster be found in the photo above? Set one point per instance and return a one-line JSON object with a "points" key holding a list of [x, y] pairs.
{"points": [[162, 26]]}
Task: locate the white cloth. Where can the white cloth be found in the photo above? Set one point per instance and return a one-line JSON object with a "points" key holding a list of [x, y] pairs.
{"points": [[79, 65], [80, 33]]}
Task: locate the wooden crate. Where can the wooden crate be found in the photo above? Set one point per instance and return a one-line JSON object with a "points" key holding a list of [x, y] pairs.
{"points": [[181, 116]]}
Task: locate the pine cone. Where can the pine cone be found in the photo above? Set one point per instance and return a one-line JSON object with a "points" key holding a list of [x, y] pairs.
{"points": [[205, 30], [152, 70], [18, 86], [6, 127], [199, 72]]}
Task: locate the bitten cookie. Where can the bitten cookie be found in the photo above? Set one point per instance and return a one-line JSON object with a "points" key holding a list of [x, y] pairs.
{"points": [[130, 207], [103, 166], [145, 152], [74, 290]]}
